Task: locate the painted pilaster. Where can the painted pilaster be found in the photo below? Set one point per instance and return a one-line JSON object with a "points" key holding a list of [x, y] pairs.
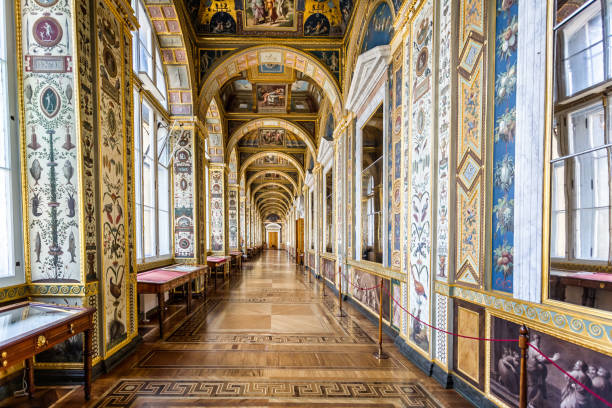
{"points": [[184, 188]]}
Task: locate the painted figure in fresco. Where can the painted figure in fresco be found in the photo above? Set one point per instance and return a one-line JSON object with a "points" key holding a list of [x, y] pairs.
{"points": [[537, 371], [271, 13], [574, 396], [259, 11], [602, 386], [509, 370]]}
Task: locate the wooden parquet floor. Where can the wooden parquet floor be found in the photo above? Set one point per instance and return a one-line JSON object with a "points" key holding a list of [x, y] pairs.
{"points": [[267, 338]]}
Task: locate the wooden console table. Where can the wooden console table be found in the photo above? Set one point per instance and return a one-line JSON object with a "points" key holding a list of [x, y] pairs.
{"points": [[236, 260], [215, 262], [28, 328], [160, 281]]}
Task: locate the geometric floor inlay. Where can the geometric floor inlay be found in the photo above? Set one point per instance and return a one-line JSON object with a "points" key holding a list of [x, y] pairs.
{"points": [[192, 393]]}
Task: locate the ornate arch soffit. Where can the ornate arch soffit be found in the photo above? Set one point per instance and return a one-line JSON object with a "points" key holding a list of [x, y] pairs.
{"points": [[272, 208], [274, 196], [280, 192], [265, 54], [269, 184], [273, 123], [280, 173], [264, 153], [277, 203], [175, 58]]}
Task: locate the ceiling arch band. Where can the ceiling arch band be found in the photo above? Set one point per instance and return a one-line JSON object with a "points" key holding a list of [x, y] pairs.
{"points": [[255, 124], [174, 55], [263, 54], [272, 210], [276, 196], [292, 160], [273, 204], [268, 184], [264, 172]]}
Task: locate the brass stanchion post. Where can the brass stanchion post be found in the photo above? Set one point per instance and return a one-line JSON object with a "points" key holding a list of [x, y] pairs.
{"points": [[380, 354], [523, 344], [340, 313], [323, 283]]}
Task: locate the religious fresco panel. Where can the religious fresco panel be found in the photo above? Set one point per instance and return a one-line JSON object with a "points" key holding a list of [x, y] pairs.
{"points": [[548, 387]]}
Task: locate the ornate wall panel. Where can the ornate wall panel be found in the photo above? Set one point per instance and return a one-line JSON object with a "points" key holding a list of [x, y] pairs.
{"points": [[405, 184], [51, 152], [217, 210], [110, 44], [471, 94], [395, 159], [421, 149], [184, 194], [444, 129], [233, 217], [201, 192], [503, 148], [440, 350]]}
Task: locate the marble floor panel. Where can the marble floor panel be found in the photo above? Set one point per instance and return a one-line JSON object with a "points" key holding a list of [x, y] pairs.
{"points": [[266, 338]]}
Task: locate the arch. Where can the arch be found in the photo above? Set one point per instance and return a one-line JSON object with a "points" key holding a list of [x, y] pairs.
{"points": [[264, 153], [274, 200], [280, 173], [277, 203], [255, 124], [271, 183], [268, 209], [268, 195], [179, 82], [289, 57]]}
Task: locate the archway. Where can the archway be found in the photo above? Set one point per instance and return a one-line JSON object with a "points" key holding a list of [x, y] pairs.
{"points": [[289, 57], [255, 124], [264, 172], [268, 184], [265, 153]]}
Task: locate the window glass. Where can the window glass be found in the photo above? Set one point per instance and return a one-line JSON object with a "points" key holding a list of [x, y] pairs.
{"points": [[138, 174], [580, 163], [9, 173], [329, 212], [372, 188]]}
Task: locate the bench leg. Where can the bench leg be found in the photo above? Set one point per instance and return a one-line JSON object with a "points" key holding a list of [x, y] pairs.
{"points": [[162, 305]]}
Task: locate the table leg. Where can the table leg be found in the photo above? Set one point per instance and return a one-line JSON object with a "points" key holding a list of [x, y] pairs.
{"points": [[87, 338], [29, 367], [215, 276], [161, 304], [189, 295]]}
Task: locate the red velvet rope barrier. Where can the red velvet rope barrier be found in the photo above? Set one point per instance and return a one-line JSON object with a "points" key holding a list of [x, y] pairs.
{"points": [[593, 393]]}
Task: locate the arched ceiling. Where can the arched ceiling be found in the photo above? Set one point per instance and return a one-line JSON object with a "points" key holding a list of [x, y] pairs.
{"points": [[271, 184], [263, 176], [271, 157]]}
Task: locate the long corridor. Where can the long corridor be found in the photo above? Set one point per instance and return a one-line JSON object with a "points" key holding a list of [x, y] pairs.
{"points": [[268, 338]]}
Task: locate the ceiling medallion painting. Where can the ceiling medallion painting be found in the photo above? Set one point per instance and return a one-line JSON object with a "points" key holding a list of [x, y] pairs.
{"points": [[272, 15], [47, 31], [271, 137], [283, 18], [271, 98]]}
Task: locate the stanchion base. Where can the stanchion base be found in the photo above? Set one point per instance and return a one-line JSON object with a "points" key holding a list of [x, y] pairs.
{"points": [[341, 314], [380, 356]]}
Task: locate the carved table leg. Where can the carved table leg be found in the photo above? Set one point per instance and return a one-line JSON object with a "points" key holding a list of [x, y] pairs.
{"points": [[87, 339], [29, 367], [162, 305], [189, 296]]}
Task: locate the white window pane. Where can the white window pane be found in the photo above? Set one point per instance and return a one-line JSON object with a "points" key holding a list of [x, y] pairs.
{"points": [[139, 248], [4, 123], [149, 232], [148, 182], [583, 59], [586, 129], [163, 188], [6, 225], [164, 233]]}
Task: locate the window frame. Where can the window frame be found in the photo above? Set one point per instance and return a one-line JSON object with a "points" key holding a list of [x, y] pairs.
{"points": [[328, 238], [14, 140], [560, 107], [380, 99], [158, 116]]}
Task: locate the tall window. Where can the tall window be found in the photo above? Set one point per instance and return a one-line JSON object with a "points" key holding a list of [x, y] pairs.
{"points": [[329, 211], [372, 188], [147, 55], [311, 221], [580, 162], [152, 170], [11, 255]]}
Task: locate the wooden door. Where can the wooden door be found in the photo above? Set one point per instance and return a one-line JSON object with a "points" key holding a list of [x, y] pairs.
{"points": [[273, 239]]}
